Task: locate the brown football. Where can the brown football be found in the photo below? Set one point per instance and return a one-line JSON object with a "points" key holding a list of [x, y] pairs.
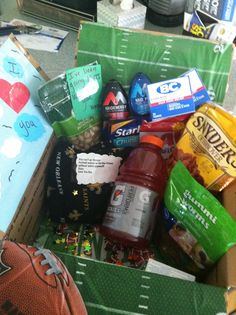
{"points": [[34, 281]]}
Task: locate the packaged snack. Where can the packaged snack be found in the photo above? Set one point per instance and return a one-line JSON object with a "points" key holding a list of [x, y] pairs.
{"points": [[55, 99], [120, 134], [169, 130], [208, 147], [196, 220]]}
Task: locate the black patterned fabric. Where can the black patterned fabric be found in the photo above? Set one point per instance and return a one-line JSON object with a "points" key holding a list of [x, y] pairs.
{"points": [[66, 200]]}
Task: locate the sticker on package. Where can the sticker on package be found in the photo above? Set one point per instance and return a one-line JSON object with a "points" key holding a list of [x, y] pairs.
{"points": [[200, 94], [170, 98]]}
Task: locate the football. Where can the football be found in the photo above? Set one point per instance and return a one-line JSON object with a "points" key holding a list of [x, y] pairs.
{"points": [[34, 281]]}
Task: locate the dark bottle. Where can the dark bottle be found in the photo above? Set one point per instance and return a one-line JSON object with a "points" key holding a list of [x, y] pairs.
{"points": [[115, 102]]}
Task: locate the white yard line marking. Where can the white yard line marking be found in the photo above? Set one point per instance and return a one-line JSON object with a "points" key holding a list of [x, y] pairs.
{"points": [[154, 63], [143, 306], [144, 296], [145, 286], [82, 265], [80, 273], [146, 277], [79, 282], [110, 309]]}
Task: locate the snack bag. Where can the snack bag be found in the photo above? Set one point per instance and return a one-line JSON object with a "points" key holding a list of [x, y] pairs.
{"points": [[208, 147], [169, 130], [196, 220]]}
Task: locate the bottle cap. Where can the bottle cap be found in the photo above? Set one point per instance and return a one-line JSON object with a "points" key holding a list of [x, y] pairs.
{"points": [[153, 140]]}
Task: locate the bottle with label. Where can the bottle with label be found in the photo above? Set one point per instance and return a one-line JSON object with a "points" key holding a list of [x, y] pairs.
{"points": [[115, 102], [138, 94], [138, 190]]}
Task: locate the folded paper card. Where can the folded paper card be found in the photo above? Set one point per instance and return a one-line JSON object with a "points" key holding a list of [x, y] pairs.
{"points": [[24, 132]]}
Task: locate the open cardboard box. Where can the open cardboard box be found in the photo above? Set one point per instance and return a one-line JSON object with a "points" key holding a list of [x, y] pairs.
{"points": [[112, 289]]}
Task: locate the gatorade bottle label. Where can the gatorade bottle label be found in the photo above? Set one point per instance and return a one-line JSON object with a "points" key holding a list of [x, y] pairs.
{"points": [[132, 210]]}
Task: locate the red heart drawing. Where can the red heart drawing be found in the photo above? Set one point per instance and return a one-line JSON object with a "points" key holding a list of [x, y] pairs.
{"points": [[14, 95]]}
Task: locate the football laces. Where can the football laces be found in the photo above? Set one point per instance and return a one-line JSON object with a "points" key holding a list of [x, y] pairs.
{"points": [[48, 260]]}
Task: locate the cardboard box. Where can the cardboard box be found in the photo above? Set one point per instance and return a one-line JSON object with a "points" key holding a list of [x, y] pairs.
{"points": [[229, 198], [113, 15], [114, 289], [212, 19]]}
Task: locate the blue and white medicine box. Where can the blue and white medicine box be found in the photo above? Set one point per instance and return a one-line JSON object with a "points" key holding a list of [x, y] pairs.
{"points": [[170, 98], [199, 91]]}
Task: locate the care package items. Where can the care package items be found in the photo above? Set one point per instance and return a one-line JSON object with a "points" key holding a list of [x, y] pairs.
{"points": [[135, 176]]}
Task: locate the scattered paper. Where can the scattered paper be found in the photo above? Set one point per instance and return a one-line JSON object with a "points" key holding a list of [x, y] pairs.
{"points": [[47, 39]]}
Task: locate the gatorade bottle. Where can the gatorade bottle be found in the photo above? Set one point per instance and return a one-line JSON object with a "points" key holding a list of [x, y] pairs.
{"points": [[138, 190]]}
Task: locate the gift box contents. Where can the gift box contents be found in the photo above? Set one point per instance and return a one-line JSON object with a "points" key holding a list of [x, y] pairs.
{"points": [[102, 199]]}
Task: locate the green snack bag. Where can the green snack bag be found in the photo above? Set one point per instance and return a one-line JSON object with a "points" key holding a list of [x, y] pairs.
{"points": [[85, 85], [196, 220]]}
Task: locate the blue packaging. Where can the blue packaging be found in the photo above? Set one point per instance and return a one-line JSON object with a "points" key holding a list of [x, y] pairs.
{"points": [[199, 91], [138, 98], [221, 10], [121, 134], [170, 98]]}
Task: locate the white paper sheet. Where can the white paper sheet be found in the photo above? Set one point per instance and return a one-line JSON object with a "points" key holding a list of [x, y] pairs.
{"points": [[47, 39]]}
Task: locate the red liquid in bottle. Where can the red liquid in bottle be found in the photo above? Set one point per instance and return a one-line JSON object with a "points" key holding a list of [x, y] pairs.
{"points": [[139, 188]]}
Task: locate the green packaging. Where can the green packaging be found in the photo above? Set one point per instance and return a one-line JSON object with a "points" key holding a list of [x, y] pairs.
{"points": [[197, 221], [85, 85]]}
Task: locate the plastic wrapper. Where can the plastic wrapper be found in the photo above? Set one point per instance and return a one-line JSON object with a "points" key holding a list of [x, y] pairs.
{"points": [[169, 130], [59, 99], [196, 220], [207, 147]]}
